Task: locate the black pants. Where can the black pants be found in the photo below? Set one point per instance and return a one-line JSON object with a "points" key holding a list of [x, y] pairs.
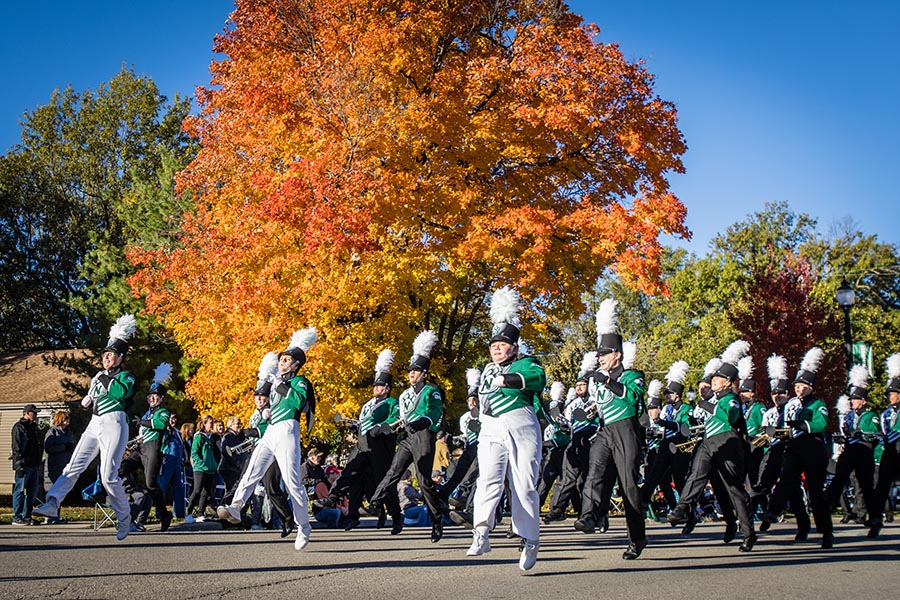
{"points": [[664, 465], [551, 469], [858, 459], [887, 473], [463, 464], [575, 464], [807, 455], [151, 458], [204, 487], [616, 451], [754, 465], [277, 495], [722, 455], [415, 448]]}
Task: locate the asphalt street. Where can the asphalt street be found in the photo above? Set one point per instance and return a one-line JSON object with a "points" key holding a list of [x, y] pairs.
{"points": [[73, 561]]}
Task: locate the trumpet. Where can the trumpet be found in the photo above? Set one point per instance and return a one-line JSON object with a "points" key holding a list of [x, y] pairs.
{"points": [[760, 441], [133, 444], [245, 446], [685, 447], [341, 419]]}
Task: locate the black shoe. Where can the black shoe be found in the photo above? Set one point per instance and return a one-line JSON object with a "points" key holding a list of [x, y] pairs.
{"points": [[461, 518], [802, 534], [510, 534], [287, 526], [326, 502], [165, 520], [603, 525], [521, 544], [845, 519], [888, 517], [586, 524], [397, 526], [351, 524], [553, 516], [764, 527], [634, 550], [437, 529], [747, 544], [828, 541], [382, 519], [678, 516], [874, 530], [690, 525], [730, 532], [370, 510], [456, 503], [769, 517]]}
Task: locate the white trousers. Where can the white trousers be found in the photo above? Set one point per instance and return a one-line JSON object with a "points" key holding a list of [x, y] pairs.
{"points": [[281, 443], [107, 435], [509, 445]]}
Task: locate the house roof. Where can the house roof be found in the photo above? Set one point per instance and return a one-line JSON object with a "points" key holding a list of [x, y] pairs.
{"points": [[43, 376]]}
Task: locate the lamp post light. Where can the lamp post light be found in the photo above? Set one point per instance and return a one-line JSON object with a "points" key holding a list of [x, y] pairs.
{"points": [[845, 298]]}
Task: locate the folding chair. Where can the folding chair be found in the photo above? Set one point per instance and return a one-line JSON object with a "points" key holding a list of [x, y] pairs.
{"points": [[103, 512]]}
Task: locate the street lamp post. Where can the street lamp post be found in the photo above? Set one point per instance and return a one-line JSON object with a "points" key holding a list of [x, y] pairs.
{"points": [[845, 298]]}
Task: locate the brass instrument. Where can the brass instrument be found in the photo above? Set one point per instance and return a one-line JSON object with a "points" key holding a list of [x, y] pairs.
{"points": [[760, 441], [342, 420], [243, 447], [133, 444], [686, 447]]}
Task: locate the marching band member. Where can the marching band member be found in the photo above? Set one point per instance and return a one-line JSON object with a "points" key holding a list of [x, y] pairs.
{"points": [[753, 409], [655, 475], [556, 439], [421, 410], [466, 471], [806, 453], [108, 397], [576, 458], [510, 437], [862, 431], [153, 429], [291, 395], [723, 449], [669, 464], [890, 458], [619, 395]]}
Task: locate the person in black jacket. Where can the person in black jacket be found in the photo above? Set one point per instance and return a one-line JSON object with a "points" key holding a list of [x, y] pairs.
{"points": [[26, 457], [58, 444]]}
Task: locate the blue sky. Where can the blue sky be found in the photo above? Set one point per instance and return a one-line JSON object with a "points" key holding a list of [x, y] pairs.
{"points": [[794, 101]]}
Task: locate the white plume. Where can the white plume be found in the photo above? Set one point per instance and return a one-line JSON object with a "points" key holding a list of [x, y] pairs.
{"points": [[777, 367], [123, 328], [473, 379], [812, 359], [677, 371], [712, 366], [424, 343], [303, 338], [505, 306], [654, 389], [384, 361], [745, 367], [268, 366], [629, 351], [735, 352], [557, 390], [570, 395], [588, 363], [893, 366], [859, 376], [606, 317], [843, 405], [162, 373]]}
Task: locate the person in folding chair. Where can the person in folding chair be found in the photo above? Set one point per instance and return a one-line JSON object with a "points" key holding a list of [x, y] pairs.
{"points": [[108, 397]]}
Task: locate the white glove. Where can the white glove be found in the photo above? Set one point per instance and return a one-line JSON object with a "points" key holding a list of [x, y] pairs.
{"points": [[266, 414], [497, 382], [86, 402]]}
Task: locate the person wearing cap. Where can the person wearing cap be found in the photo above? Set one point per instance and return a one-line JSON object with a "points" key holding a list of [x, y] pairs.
{"points": [[658, 471], [616, 449], [331, 516], [374, 450], [26, 459], [722, 450], [754, 408], [509, 443], [109, 396], [890, 457], [806, 454], [292, 394], [153, 427], [465, 473], [576, 458], [421, 408], [862, 432]]}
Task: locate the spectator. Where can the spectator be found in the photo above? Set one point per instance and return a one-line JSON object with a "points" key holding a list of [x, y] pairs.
{"points": [[203, 462], [441, 453], [187, 439], [232, 464], [332, 517], [26, 457], [58, 444], [311, 471], [171, 475], [413, 512]]}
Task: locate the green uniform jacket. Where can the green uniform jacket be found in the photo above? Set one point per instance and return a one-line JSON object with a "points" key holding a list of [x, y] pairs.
{"points": [[375, 412], [523, 381], [813, 417], [159, 421], [116, 397], [754, 418], [289, 405], [202, 457], [428, 402], [728, 412], [617, 408]]}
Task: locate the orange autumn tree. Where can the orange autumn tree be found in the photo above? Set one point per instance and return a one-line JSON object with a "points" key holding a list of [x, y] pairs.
{"points": [[374, 168]]}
